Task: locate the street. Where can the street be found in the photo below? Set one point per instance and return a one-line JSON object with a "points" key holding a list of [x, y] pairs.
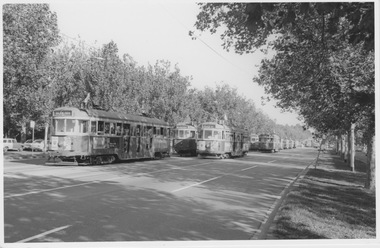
{"points": [[177, 198]]}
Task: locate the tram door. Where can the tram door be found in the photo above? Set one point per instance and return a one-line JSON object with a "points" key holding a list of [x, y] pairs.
{"points": [[127, 140], [234, 142], [133, 143]]}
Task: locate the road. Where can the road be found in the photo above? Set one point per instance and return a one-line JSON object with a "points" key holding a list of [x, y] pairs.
{"points": [[177, 198]]}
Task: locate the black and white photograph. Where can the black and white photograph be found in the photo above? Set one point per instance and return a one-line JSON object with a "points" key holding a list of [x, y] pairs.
{"points": [[189, 124]]}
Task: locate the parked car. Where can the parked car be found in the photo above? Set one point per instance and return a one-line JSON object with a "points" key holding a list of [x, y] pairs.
{"points": [[11, 144], [38, 145], [27, 145]]}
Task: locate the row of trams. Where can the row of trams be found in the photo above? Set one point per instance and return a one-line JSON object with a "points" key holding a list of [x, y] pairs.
{"points": [[92, 137]]}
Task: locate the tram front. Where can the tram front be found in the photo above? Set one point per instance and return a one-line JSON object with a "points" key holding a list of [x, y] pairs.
{"points": [[69, 136]]}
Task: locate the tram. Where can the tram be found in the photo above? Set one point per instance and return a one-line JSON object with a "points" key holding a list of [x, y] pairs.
{"points": [[291, 144], [222, 141], [185, 139], [269, 142], [285, 143], [254, 143], [92, 136]]}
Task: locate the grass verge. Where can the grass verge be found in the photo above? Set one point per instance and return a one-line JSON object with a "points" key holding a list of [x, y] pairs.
{"points": [[330, 202]]}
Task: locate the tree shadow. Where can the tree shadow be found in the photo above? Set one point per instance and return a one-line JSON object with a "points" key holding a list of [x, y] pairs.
{"points": [[110, 211]]}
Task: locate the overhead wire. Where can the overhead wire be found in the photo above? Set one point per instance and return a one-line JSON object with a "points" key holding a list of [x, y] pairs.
{"points": [[202, 41]]}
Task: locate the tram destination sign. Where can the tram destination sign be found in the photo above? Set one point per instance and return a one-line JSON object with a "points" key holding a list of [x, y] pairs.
{"points": [[208, 126], [63, 113]]}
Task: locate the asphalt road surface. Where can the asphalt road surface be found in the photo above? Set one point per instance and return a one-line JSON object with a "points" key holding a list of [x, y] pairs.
{"points": [[177, 198]]}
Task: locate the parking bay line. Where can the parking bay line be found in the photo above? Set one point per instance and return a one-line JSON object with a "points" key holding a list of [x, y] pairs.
{"points": [[208, 180], [195, 184], [43, 234]]}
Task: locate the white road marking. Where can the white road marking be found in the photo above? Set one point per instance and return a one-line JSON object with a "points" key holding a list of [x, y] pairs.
{"points": [[249, 168], [272, 161], [47, 190], [43, 234], [214, 178]]}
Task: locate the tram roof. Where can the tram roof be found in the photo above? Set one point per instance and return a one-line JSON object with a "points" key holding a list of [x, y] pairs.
{"points": [[96, 113]]}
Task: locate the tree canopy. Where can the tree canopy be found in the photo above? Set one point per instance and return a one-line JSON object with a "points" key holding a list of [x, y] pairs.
{"points": [[61, 72], [323, 65], [29, 31]]}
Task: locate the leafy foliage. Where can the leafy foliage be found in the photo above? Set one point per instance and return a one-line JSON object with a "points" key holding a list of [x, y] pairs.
{"points": [[323, 65], [63, 73], [29, 30]]}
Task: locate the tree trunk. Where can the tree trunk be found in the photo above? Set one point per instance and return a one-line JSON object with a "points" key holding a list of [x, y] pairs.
{"points": [[23, 132], [337, 147], [352, 147], [371, 165], [348, 155], [342, 146], [345, 148]]}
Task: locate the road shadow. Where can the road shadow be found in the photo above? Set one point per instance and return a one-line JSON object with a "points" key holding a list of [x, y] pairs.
{"points": [[109, 211]]}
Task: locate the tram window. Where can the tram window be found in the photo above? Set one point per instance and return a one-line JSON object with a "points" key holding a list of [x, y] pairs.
{"points": [[169, 132], [200, 134], [93, 126], [208, 134], [192, 134], [60, 125], [187, 133], [112, 128], [149, 130], [118, 129], [126, 128], [83, 126], [154, 130], [100, 127], [107, 128], [180, 133], [70, 125], [162, 131], [138, 130], [217, 135], [144, 131]]}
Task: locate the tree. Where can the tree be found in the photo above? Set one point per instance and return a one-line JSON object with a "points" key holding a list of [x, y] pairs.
{"points": [[323, 65], [29, 31]]}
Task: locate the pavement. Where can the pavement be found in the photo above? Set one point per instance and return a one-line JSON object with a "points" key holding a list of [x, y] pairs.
{"points": [[11, 155]]}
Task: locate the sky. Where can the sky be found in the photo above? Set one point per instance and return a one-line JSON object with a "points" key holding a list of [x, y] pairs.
{"points": [[159, 30]]}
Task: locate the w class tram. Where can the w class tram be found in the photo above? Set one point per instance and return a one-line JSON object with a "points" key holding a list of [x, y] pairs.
{"points": [[185, 139], [269, 142], [254, 146], [92, 136], [221, 141]]}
